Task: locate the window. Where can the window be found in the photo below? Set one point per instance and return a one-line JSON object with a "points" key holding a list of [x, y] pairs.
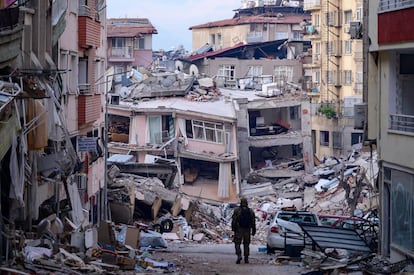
{"points": [[347, 77], [348, 46], [356, 138], [219, 40], [227, 72], [317, 77], [347, 17], [297, 35], [294, 112], [254, 71], [337, 140], [330, 77], [139, 43], [281, 35], [324, 138], [332, 18], [207, 131], [358, 14], [212, 39], [317, 20], [283, 73], [118, 42], [401, 186]]}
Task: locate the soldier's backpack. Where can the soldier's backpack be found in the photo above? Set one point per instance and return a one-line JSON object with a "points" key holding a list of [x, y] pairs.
{"points": [[245, 218]]}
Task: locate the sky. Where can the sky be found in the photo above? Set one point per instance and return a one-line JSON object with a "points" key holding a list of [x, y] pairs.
{"points": [[172, 18]]}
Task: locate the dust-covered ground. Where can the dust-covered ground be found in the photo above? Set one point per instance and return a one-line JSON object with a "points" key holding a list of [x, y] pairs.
{"points": [[193, 258]]}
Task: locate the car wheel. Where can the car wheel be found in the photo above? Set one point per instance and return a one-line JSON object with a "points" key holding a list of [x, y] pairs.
{"points": [[157, 228], [167, 225], [270, 250]]}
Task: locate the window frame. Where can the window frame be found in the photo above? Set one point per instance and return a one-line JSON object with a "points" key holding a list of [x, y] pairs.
{"points": [[201, 130], [324, 138]]}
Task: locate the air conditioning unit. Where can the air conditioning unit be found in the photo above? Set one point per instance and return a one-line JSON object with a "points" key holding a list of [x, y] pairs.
{"points": [[81, 181], [355, 30], [271, 89]]}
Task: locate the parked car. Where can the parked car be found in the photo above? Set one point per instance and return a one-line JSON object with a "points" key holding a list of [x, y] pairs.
{"points": [[285, 229]]}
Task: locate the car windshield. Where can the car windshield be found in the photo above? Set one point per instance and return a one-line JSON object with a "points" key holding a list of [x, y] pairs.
{"points": [[299, 218]]}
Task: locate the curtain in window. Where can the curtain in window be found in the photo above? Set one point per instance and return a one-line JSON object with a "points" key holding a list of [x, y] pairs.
{"points": [[154, 127], [224, 180], [181, 127], [133, 132]]}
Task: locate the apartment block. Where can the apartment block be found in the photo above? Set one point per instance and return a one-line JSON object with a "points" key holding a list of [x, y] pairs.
{"points": [[335, 84]]}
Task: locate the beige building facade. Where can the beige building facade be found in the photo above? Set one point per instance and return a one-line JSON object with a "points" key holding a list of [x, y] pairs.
{"points": [[336, 74], [391, 120]]}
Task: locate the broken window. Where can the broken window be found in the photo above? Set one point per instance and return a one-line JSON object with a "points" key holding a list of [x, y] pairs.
{"points": [[284, 73], [356, 138], [226, 72], [254, 71], [324, 138]]}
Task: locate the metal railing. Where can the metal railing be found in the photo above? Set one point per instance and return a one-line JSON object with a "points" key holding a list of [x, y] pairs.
{"points": [[122, 52], [389, 5], [403, 123]]}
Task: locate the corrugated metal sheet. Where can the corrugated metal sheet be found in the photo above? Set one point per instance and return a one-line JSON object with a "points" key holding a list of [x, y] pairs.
{"points": [[332, 237], [130, 27]]}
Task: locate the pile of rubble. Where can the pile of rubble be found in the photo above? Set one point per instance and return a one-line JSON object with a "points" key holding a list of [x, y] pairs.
{"points": [[206, 90]]}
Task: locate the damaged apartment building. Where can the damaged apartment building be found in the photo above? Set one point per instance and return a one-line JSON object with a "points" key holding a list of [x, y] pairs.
{"points": [[228, 109], [47, 168], [215, 134]]}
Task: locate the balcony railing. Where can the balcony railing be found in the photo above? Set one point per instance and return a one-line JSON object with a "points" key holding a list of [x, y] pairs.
{"points": [[389, 5], [122, 52], [403, 123], [308, 4]]}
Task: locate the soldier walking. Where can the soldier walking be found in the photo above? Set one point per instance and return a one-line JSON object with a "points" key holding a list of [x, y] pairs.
{"points": [[243, 224]]}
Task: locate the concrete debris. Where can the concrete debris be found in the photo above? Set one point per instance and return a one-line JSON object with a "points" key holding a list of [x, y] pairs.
{"points": [[146, 215]]}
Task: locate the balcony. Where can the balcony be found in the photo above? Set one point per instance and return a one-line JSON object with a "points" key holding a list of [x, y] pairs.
{"points": [[312, 32], [312, 89], [390, 5], [89, 32], [121, 54], [312, 5], [402, 123]]}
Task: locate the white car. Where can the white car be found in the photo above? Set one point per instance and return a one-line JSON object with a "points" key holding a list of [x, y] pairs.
{"points": [[285, 229]]}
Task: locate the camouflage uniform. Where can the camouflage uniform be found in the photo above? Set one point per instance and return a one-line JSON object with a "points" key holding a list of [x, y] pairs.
{"points": [[242, 234]]}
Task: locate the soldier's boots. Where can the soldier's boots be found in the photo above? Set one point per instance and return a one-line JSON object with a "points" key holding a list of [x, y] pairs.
{"points": [[239, 258], [246, 260]]}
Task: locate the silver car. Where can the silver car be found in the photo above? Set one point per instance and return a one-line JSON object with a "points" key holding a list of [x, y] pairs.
{"points": [[285, 229]]}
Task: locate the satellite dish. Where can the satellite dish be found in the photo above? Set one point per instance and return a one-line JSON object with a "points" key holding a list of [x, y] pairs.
{"points": [[124, 92], [179, 65], [194, 70]]}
